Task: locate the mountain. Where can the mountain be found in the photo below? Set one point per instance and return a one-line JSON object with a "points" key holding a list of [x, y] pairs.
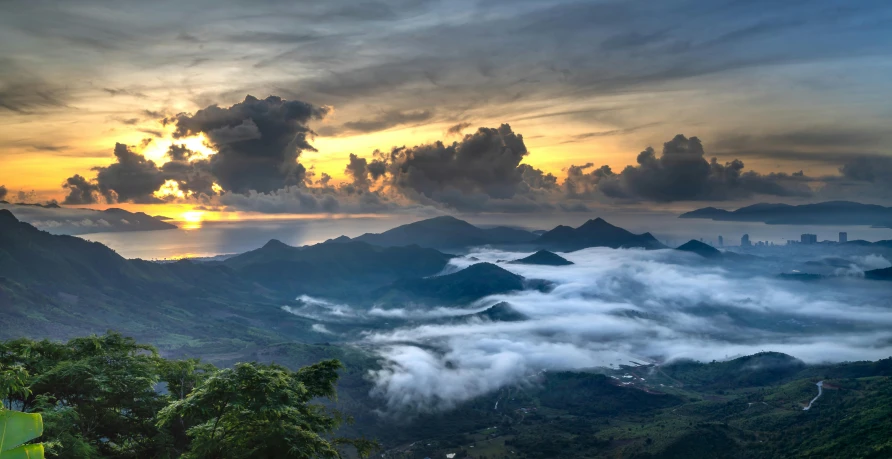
{"points": [[446, 233], [823, 213], [879, 274], [543, 257], [334, 269], [472, 283], [595, 233], [752, 370], [501, 312], [704, 250], [62, 286], [63, 220]]}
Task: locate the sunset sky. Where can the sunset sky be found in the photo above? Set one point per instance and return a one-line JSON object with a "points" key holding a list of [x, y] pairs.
{"points": [[798, 91]]}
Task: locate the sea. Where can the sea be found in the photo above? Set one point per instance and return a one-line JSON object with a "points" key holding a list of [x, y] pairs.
{"points": [[218, 238]]}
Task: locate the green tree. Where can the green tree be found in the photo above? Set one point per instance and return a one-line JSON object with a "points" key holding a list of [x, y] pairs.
{"points": [[181, 377], [99, 398], [263, 411]]}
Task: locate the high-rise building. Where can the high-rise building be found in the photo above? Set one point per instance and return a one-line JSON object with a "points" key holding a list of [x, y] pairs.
{"points": [[722, 241], [843, 237], [808, 238], [745, 241]]}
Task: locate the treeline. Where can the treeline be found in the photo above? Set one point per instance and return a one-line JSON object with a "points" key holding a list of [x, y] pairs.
{"points": [[109, 396]]}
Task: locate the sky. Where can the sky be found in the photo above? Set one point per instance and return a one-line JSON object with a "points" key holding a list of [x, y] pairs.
{"points": [[423, 106]]}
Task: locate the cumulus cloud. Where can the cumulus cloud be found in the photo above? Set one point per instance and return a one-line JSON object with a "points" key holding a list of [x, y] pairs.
{"points": [[682, 173], [612, 306], [80, 190], [482, 172], [132, 178], [3, 192], [258, 142]]}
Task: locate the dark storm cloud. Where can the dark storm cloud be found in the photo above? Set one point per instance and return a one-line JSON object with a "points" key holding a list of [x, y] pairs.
{"points": [[179, 152], [132, 178], [193, 177], [3, 192], [873, 169], [483, 162], [258, 141], [358, 170], [81, 191], [388, 120], [537, 179], [682, 173], [482, 172]]}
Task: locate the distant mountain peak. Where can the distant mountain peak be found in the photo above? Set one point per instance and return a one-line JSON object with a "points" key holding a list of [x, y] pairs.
{"points": [[446, 232], [596, 232], [543, 257], [276, 244], [700, 248], [596, 223], [7, 216]]}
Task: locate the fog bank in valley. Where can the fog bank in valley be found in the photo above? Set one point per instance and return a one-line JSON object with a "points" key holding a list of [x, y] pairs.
{"points": [[613, 306]]}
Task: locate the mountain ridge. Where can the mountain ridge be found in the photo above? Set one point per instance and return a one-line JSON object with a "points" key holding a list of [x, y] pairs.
{"points": [[822, 213]]}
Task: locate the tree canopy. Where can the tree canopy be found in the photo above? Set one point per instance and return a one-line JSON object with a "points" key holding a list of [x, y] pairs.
{"points": [[109, 396]]}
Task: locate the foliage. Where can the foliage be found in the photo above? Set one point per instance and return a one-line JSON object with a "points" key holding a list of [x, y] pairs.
{"points": [[109, 396], [17, 428]]}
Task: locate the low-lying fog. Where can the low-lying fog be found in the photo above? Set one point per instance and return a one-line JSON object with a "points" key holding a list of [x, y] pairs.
{"points": [[612, 306]]}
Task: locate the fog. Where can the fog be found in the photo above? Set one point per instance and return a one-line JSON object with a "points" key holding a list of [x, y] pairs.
{"points": [[613, 306]]}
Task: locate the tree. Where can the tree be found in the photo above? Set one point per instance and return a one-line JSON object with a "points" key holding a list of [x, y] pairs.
{"points": [[263, 411], [181, 378], [98, 398]]}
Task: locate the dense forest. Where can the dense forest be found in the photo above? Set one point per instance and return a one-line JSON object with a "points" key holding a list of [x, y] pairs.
{"points": [[109, 396]]}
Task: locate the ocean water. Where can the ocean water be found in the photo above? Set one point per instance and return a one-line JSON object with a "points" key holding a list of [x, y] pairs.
{"points": [[227, 237], [218, 238]]}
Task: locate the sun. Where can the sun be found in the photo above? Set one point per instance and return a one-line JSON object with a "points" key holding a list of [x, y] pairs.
{"points": [[192, 219], [193, 216]]}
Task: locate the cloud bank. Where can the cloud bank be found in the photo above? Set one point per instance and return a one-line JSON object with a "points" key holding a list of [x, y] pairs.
{"points": [[612, 306], [256, 166]]}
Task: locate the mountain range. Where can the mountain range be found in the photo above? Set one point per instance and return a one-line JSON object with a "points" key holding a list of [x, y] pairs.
{"points": [[337, 270], [65, 220], [595, 233], [446, 233], [469, 284], [823, 213], [451, 233]]}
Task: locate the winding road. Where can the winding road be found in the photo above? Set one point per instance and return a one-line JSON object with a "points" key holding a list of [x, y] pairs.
{"points": [[820, 385]]}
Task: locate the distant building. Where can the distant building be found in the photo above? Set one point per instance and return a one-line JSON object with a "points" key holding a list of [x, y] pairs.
{"points": [[745, 241], [808, 239], [843, 237], [722, 240]]}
